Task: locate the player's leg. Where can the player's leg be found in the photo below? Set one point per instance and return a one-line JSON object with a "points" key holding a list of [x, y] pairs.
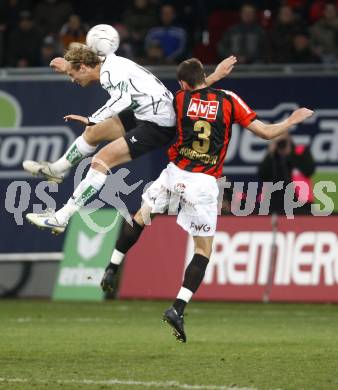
{"points": [[128, 236], [193, 277], [145, 137], [194, 273], [155, 201], [198, 216], [83, 146], [86, 144], [113, 154]]}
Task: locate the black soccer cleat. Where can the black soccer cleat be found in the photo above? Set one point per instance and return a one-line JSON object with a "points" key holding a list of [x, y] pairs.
{"points": [[171, 317], [108, 279]]}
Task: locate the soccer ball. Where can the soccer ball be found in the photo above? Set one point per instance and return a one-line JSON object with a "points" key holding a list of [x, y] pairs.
{"points": [[103, 39]]}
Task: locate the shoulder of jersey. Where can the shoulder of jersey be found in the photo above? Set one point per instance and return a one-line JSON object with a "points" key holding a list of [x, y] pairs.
{"points": [[107, 60], [179, 92], [226, 91], [119, 63]]}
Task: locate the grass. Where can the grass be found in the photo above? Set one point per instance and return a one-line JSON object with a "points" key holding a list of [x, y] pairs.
{"points": [[51, 345]]}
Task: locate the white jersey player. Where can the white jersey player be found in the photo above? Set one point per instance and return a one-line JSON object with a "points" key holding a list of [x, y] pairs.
{"points": [[132, 86], [138, 118], [135, 94]]}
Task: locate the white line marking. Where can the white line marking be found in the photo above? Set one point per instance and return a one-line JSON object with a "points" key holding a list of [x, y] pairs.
{"points": [[31, 256], [61, 319], [113, 382]]}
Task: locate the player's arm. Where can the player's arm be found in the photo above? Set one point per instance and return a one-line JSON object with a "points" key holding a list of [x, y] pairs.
{"points": [[222, 70], [274, 130], [114, 105], [60, 65], [118, 101]]}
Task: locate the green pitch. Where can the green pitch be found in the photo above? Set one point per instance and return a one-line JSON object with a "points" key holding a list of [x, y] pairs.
{"points": [[124, 345]]}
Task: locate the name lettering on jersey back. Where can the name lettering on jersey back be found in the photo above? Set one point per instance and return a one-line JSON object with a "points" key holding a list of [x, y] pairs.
{"points": [[203, 109]]}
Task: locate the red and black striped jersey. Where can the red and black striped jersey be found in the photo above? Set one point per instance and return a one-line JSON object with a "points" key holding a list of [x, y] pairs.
{"points": [[204, 118]]}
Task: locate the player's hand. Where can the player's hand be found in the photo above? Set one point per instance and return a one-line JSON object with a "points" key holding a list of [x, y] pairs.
{"points": [[225, 67], [78, 118], [59, 65], [300, 115]]}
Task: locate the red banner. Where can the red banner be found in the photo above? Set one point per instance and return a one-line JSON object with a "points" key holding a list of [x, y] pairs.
{"points": [[250, 261]]}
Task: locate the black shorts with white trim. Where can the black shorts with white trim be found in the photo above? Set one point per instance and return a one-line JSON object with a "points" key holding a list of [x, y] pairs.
{"points": [[144, 136]]}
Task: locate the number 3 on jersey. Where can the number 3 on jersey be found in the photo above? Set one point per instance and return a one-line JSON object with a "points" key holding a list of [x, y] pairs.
{"points": [[202, 145]]}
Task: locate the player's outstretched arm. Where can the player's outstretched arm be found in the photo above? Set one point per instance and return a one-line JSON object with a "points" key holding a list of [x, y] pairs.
{"points": [[274, 130], [222, 70], [59, 65], [77, 118]]}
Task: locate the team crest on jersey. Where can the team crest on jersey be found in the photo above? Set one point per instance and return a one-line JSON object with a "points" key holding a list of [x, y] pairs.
{"points": [[179, 187], [203, 108]]}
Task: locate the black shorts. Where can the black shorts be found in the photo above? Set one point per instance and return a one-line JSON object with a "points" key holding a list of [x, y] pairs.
{"points": [[143, 136]]}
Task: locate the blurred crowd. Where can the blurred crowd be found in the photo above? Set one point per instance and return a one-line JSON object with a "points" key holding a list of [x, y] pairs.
{"points": [[159, 32]]}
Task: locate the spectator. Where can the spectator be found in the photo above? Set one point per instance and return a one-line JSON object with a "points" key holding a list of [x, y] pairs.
{"points": [[10, 12], [49, 50], [50, 15], [24, 43], [301, 52], [282, 35], [73, 31], [171, 37], [154, 55], [288, 163], [125, 48], [316, 10], [2, 37], [299, 6], [139, 18], [245, 40], [324, 34], [192, 15], [9, 19]]}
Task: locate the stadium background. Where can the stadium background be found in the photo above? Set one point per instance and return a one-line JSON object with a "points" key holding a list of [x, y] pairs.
{"points": [[49, 341]]}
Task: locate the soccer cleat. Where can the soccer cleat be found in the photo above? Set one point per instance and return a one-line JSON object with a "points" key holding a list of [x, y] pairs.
{"points": [[108, 279], [46, 220], [42, 169], [176, 321]]}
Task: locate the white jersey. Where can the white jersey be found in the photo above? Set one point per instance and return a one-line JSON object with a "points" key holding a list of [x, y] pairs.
{"points": [[132, 86]]}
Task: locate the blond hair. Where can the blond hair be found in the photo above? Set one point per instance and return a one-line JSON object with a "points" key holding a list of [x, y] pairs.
{"points": [[78, 54]]}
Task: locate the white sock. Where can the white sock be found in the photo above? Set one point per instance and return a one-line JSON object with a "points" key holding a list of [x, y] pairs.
{"points": [[84, 147], [79, 149], [62, 165], [185, 294], [64, 214], [117, 257], [89, 186]]}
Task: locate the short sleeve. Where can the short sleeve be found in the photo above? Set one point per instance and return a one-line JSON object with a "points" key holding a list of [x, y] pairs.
{"points": [[243, 114]]}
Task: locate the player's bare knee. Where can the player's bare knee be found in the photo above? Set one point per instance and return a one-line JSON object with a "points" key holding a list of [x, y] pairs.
{"points": [[138, 217], [99, 165], [203, 251], [88, 136], [203, 246], [144, 215]]}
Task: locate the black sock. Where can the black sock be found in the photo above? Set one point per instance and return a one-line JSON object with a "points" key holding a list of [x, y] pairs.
{"points": [[128, 236], [194, 273], [193, 277]]}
